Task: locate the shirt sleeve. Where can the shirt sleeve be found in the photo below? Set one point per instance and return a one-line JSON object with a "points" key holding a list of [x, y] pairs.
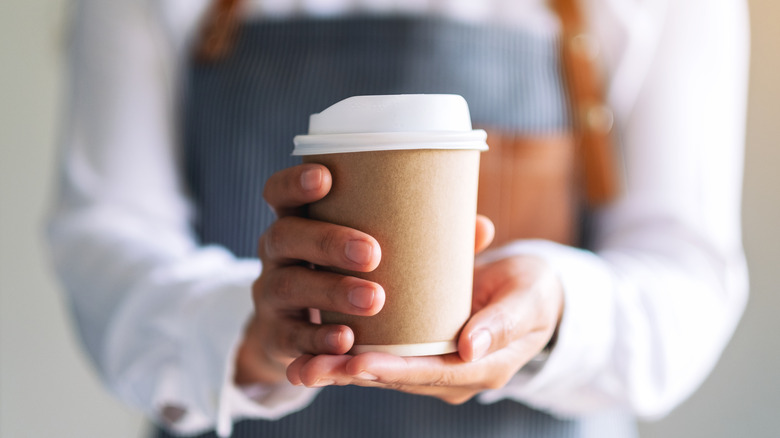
{"points": [[649, 311], [159, 315]]}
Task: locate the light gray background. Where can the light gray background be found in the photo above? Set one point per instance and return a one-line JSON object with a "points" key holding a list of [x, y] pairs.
{"points": [[48, 390]]}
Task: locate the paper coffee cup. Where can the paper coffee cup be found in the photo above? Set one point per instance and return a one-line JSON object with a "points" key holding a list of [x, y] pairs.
{"points": [[405, 171]]}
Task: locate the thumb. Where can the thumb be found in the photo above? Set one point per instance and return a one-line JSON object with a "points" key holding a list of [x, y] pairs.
{"points": [[522, 296], [489, 330], [485, 232], [502, 309]]}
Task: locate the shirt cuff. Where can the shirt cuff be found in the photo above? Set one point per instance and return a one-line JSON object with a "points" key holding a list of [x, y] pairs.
{"points": [[266, 401], [584, 335], [216, 336], [171, 350]]}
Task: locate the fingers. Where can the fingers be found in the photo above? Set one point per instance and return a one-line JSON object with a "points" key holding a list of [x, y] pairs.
{"points": [[267, 350], [318, 371], [445, 370], [289, 189], [282, 295], [296, 337], [444, 377], [485, 232], [389, 371], [292, 239], [298, 287], [286, 288]]}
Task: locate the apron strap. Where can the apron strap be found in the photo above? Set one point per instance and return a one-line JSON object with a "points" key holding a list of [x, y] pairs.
{"points": [[218, 30], [593, 119]]}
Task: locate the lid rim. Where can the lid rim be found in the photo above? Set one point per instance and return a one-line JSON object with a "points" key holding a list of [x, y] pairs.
{"points": [[371, 142]]}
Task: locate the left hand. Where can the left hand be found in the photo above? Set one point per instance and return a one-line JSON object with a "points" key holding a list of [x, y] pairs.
{"points": [[517, 305]]}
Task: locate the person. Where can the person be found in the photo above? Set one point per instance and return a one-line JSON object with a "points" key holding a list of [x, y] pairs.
{"points": [[155, 226]]}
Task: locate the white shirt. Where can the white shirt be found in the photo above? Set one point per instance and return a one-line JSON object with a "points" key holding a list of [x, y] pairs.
{"points": [[646, 315]]}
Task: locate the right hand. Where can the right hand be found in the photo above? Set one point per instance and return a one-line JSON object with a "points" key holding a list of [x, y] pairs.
{"points": [[288, 288]]}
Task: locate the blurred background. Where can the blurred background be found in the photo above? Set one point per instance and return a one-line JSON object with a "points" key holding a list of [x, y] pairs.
{"points": [[47, 389]]}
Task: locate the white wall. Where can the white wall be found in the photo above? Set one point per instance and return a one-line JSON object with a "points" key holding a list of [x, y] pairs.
{"points": [[48, 390], [46, 387]]}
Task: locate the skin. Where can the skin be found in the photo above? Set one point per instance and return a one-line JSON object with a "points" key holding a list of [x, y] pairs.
{"points": [[517, 305]]}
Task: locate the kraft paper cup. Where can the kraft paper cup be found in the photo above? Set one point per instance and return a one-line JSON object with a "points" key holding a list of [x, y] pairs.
{"points": [[405, 171]]}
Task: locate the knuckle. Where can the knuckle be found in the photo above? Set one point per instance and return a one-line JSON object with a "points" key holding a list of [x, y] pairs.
{"points": [[327, 242], [506, 329], [274, 184], [289, 340], [272, 241], [280, 288], [337, 293], [445, 379], [260, 298]]}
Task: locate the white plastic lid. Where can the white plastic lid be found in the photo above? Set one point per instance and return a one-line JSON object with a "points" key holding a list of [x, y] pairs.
{"points": [[392, 122]]}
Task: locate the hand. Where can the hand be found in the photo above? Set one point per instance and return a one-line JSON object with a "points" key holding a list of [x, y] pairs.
{"points": [[518, 302], [280, 329]]}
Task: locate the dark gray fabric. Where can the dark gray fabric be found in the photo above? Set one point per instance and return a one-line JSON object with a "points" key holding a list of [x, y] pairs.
{"points": [[353, 412], [240, 117]]}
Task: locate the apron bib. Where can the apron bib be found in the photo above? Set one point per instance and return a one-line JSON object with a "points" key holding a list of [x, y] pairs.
{"points": [[242, 112]]}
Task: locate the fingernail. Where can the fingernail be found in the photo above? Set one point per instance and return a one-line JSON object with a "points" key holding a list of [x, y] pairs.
{"points": [[311, 179], [333, 339], [366, 376], [480, 343], [359, 251], [362, 297], [321, 383]]}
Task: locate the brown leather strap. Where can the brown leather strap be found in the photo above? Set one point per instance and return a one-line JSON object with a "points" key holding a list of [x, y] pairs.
{"points": [[593, 119], [218, 31]]}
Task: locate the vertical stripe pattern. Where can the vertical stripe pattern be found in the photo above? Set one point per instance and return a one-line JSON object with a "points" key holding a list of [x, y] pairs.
{"points": [[242, 112]]}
